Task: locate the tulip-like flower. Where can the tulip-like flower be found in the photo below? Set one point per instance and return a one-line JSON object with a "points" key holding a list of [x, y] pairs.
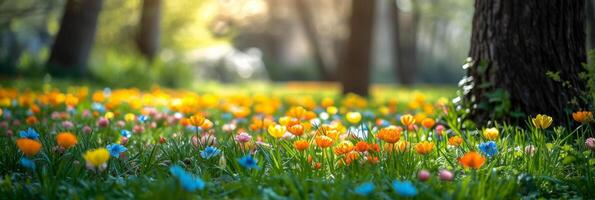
{"points": [[353, 117], [424, 147], [407, 120], [472, 160], [277, 131], [301, 145], [590, 143], [390, 134], [582, 116], [491, 133], [542, 121]]}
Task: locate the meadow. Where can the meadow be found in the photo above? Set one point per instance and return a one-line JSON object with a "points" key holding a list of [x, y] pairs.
{"points": [[268, 142]]}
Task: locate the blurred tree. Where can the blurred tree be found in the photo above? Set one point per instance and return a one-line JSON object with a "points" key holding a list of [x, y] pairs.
{"points": [[147, 39], [405, 40], [74, 41], [526, 59], [591, 23], [355, 68]]}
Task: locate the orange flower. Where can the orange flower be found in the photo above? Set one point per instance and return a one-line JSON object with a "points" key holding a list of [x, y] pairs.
{"points": [[390, 134], [428, 123], [373, 159], [361, 146], [301, 145], [582, 116], [197, 120], [374, 147], [206, 125], [31, 120], [324, 141], [350, 157], [472, 159], [296, 112], [29, 147], [400, 146], [296, 129], [344, 147], [455, 141], [407, 120], [66, 140], [424, 147]]}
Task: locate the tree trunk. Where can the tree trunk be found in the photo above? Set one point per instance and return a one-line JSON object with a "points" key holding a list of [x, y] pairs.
{"points": [[405, 44], [75, 38], [147, 39], [513, 45], [591, 23], [306, 19], [355, 69]]}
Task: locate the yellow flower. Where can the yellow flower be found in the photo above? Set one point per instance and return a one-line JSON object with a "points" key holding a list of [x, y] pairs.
{"points": [[109, 115], [197, 120], [491, 133], [277, 131], [407, 120], [353, 117], [129, 117], [96, 157], [424, 147], [542, 121], [332, 110]]}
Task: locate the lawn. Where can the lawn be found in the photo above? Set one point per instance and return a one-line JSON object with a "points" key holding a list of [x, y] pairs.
{"points": [[285, 141]]}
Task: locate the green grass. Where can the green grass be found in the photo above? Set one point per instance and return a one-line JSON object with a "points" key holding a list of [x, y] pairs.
{"points": [[561, 166]]}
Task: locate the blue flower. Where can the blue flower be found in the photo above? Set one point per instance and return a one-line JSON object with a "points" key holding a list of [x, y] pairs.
{"points": [[209, 152], [116, 149], [30, 133], [188, 181], [27, 163], [248, 162], [126, 133], [364, 189], [404, 188], [143, 118], [489, 148], [98, 107]]}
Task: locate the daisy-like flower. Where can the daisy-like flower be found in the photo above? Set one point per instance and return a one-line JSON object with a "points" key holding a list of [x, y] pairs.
{"points": [[66, 140], [189, 182], [29, 133], [248, 162], [210, 152], [489, 148], [126, 133], [116, 149]]}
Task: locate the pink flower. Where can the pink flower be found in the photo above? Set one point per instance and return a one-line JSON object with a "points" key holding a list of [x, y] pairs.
{"points": [[123, 140], [102, 122], [86, 113], [590, 142], [445, 175], [243, 137], [4, 125], [205, 140], [55, 115], [423, 175], [87, 130], [153, 125], [138, 129], [16, 122], [439, 129], [121, 123], [67, 124], [9, 133]]}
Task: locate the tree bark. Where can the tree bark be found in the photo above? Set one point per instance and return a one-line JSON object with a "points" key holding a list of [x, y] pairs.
{"points": [[591, 23], [513, 45], [147, 39], [355, 69], [405, 27], [306, 19], [75, 38]]}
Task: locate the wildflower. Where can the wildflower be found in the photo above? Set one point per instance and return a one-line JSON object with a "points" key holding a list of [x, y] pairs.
{"points": [[277, 131], [142, 118], [197, 120], [210, 152], [582, 116], [27, 163], [353, 117], [116, 149], [66, 140], [489, 148], [407, 120], [424, 147], [129, 117], [423, 175], [445, 175], [350, 157], [390, 134], [248, 162], [590, 143], [296, 129], [439, 129], [97, 158], [67, 124], [404, 188], [28, 146], [102, 122], [125, 133], [364, 189], [530, 150], [428, 123], [243, 137], [344, 147], [301, 145], [323, 141], [31, 120], [189, 182], [162, 140], [491, 133], [361, 146], [87, 130], [542, 121], [30, 134], [455, 141], [472, 160]]}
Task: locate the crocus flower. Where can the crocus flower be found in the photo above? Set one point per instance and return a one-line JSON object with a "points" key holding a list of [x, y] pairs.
{"points": [[27, 163], [364, 189], [407, 120], [590, 143], [248, 162], [542, 121], [491, 133], [125, 133], [423, 175], [424, 147], [301, 145], [404, 188], [428, 123], [189, 182], [530, 150], [116, 149], [102, 122], [210, 152], [30, 133], [243, 137], [489, 148], [277, 131], [445, 175], [67, 124], [87, 130]]}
